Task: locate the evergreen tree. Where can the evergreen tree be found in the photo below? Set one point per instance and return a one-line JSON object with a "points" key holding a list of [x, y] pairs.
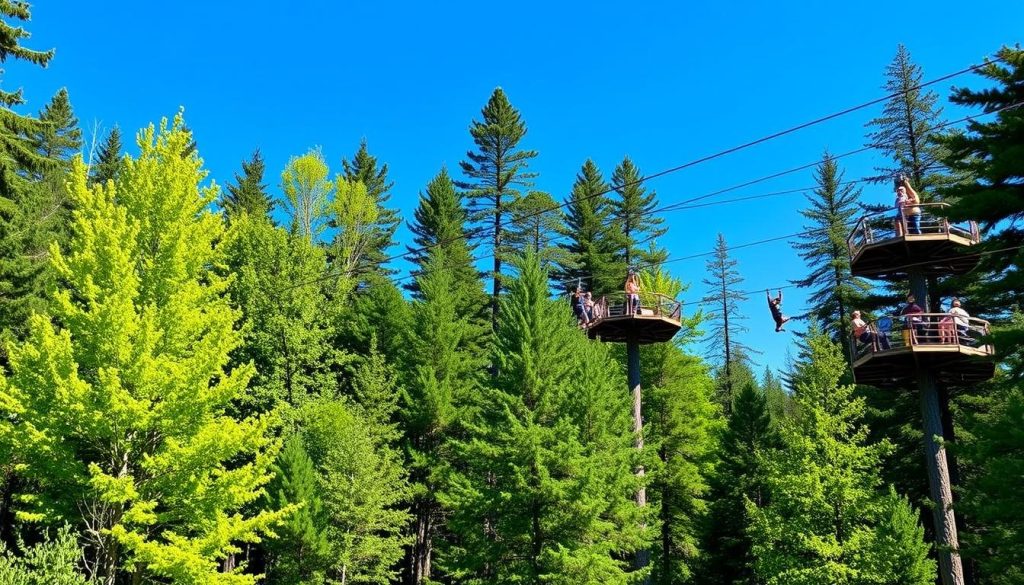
{"points": [[723, 299], [493, 172], [363, 168], [286, 331], [248, 194], [59, 138], [536, 223], [301, 552], [835, 293], [779, 404], [108, 161], [444, 363], [749, 441], [17, 154], [307, 191], [594, 244], [634, 215], [825, 520], [540, 490], [362, 486], [116, 404]]}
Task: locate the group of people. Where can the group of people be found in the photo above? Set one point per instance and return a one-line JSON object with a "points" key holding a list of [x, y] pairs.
{"points": [[908, 207], [953, 327], [586, 310]]}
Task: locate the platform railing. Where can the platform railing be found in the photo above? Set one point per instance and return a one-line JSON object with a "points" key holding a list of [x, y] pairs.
{"points": [[890, 225], [921, 329], [615, 305]]}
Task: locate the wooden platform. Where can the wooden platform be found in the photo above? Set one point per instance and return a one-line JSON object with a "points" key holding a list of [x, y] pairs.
{"points": [[952, 365], [657, 322], [882, 247]]}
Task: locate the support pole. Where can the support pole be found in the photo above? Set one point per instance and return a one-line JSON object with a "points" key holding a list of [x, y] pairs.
{"points": [[946, 541], [643, 557]]}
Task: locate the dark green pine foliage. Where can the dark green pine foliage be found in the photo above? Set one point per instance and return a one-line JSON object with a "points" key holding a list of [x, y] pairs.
{"points": [[722, 303], [363, 167], [594, 242], [108, 159], [536, 225], [18, 158], [750, 439], [249, 193], [299, 555], [494, 173], [779, 404], [541, 489], [832, 210], [444, 364], [633, 211], [60, 138]]}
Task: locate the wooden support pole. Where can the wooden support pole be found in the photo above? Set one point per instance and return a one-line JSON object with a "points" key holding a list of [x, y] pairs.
{"points": [[643, 557]]}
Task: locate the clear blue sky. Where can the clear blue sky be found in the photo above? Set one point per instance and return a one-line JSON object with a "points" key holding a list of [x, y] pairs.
{"points": [[663, 82]]}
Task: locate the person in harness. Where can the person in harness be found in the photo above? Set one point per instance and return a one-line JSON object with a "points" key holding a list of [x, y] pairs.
{"points": [[775, 306]]}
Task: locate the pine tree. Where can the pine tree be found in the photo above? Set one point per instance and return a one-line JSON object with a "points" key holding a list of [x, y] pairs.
{"points": [[823, 522], [835, 293], [536, 223], [493, 172], [444, 364], [363, 168], [60, 138], [723, 300], [307, 190], [363, 489], [17, 155], [540, 490], [750, 440], [301, 552], [121, 397], [594, 244], [634, 215], [248, 194], [108, 161]]}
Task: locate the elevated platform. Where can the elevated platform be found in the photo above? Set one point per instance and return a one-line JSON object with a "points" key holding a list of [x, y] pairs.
{"points": [[884, 246], [657, 321], [952, 351]]}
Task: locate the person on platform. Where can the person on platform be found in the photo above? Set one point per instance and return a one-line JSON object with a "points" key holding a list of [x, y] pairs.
{"points": [[961, 319], [632, 289], [863, 334], [913, 321], [775, 306]]}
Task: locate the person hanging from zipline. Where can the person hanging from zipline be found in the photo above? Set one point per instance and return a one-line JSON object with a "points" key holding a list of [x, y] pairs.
{"points": [[775, 306]]}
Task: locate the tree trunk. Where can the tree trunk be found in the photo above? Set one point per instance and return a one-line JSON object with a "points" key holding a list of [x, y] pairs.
{"points": [[643, 557]]}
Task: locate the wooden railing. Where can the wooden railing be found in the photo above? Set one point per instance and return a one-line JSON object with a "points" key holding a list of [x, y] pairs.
{"points": [[616, 305], [921, 329], [890, 225]]}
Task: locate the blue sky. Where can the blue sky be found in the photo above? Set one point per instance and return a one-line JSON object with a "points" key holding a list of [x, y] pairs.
{"points": [[664, 82]]}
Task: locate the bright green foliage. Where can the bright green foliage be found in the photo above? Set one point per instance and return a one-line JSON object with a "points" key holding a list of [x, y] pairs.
{"points": [[833, 210], [377, 316], [286, 329], [595, 242], [536, 224], [108, 159], [116, 406], [896, 553], [362, 484], [493, 173], [363, 168], [444, 364], [722, 302], [248, 194], [682, 428], [825, 521], [748, 443], [541, 488], [17, 153], [307, 191], [779, 404], [377, 393], [354, 214], [51, 562], [633, 211], [300, 554]]}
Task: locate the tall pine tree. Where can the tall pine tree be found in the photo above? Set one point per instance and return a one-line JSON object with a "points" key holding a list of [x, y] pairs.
{"points": [[723, 299], [633, 211], [248, 194], [494, 172], [363, 168], [536, 225], [108, 160]]}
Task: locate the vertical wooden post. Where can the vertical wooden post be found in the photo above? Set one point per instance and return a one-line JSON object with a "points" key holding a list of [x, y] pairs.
{"points": [[643, 557], [946, 541]]}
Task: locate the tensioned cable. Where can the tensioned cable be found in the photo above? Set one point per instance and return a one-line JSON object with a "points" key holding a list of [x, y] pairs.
{"points": [[695, 162]]}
